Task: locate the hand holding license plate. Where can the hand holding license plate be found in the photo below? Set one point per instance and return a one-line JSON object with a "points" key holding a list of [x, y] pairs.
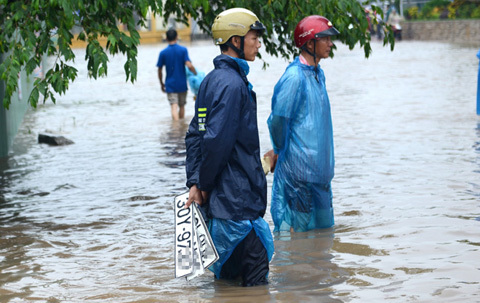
{"points": [[194, 248]]}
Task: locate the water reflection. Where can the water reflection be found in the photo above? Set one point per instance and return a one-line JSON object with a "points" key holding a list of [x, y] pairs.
{"points": [[14, 242], [173, 143], [4, 180], [476, 146], [15, 263], [302, 267]]}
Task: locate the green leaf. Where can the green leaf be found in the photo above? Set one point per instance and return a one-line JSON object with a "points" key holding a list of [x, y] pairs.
{"points": [[34, 95], [113, 40], [31, 65], [81, 36]]}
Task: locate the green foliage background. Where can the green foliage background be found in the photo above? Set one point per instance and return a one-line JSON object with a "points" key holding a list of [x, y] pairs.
{"points": [[444, 9], [29, 26]]}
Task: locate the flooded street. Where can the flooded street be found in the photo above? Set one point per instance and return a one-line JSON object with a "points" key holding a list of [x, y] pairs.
{"points": [[93, 221]]}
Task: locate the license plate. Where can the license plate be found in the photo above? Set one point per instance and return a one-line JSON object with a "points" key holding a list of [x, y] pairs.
{"points": [[194, 248]]}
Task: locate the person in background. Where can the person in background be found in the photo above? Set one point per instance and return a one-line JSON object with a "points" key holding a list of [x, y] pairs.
{"points": [[224, 170], [175, 57], [394, 20], [300, 126]]}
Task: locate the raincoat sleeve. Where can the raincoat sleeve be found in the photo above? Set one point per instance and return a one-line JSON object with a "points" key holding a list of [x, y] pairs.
{"points": [[192, 143], [287, 97], [223, 119]]}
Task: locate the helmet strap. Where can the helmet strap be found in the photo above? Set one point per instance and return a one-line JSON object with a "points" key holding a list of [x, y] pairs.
{"points": [[315, 60], [239, 51], [314, 55]]}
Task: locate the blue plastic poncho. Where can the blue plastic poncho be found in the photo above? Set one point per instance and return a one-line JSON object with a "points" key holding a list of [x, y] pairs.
{"points": [[194, 81], [301, 133], [227, 234]]}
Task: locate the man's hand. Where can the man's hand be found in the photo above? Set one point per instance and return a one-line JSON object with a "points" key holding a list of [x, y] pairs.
{"points": [[197, 196], [160, 79], [273, 159]]}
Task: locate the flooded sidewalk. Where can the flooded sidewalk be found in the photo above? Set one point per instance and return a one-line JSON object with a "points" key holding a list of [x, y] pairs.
{"points": [[93, 221]]}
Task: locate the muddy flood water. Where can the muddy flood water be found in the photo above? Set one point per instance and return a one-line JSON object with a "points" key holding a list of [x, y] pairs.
{"points": [[93, 221]]}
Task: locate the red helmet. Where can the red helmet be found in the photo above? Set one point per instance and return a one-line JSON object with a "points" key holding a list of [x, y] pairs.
{"points": [[313, 27]]}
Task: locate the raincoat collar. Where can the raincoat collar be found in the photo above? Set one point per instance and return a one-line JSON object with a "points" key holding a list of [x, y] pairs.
{"points": [[222, 61], [298, 61], [246, 69], [243, 65]]}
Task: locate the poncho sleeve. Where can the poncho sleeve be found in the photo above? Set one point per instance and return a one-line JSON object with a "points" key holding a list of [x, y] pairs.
{"points": [[287, 97]]}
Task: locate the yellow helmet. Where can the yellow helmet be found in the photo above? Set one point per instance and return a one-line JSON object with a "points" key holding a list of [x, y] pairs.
{"points": [[234, 22]]}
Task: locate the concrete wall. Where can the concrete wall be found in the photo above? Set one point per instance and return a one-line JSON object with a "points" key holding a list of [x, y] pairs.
{"points": [[456, 31], [11, 119]]}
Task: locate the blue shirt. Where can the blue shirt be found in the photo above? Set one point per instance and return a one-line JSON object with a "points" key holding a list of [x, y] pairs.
{"points": [[173, 57]]}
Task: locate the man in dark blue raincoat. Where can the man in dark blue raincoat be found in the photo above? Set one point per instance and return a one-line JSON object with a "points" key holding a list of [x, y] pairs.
{"points": [[224, 170]]}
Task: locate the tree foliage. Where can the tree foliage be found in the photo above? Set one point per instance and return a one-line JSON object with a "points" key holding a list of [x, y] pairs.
{"points": [[31, 29], [444, 9]]}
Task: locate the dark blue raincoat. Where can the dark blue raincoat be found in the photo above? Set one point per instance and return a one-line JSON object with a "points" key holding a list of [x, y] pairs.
{"points": [[223, 149], [223, 158]]}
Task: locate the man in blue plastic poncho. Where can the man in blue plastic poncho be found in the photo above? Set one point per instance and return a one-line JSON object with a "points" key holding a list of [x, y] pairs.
{"points": [[224, 170], [300, 127]]}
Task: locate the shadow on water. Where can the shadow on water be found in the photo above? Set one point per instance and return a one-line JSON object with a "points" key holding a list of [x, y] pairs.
{"points": [[303, 268], [173, 143], [172, 156]]}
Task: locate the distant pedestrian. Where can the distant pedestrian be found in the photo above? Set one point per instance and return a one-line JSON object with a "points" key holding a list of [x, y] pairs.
{"points": [[175, 57]]}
